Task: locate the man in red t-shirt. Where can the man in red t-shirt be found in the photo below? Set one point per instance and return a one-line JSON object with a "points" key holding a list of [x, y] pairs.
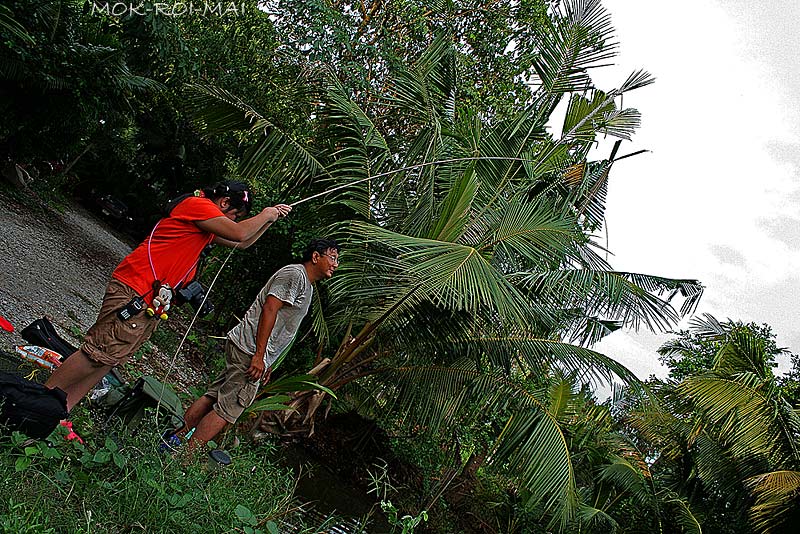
{"points": [[167, 258]]}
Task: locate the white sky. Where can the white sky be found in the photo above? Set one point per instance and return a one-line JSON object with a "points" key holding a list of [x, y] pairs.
{"points": [[718, 199]]}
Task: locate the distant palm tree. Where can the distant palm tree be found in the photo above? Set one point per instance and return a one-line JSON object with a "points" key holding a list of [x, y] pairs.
{"points": [[728, 438], [616, 488], [468, 253]]}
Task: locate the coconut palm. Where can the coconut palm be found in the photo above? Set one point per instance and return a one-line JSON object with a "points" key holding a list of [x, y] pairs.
{"points": [[727, 437], [468, 253], [616, 487]]}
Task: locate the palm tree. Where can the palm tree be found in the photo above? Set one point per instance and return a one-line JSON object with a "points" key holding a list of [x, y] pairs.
{"points": [[727, 437], [9, 24], [468, 253], [616, 487]]}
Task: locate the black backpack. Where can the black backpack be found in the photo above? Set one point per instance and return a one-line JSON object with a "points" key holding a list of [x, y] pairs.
{"points": [[29, 407], [42, 332]]}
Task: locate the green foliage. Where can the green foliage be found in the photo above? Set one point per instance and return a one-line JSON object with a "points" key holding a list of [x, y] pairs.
{"points": [[68, 85], [471, 289], [117, 482], [405, 523], [695, 351], [22, 519], [272, 395], [468, 253], [790, 382], [495, 42], [382, 487], [725, 436]]}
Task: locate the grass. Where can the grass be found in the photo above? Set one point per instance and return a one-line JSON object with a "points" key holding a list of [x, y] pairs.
{"points": [[122, 484]]}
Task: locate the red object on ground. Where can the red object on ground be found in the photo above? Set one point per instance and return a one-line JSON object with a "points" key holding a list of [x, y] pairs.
{"points": [[72, 435], [5, 325]]}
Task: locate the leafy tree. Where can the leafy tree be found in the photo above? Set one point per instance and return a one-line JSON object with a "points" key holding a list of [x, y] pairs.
{"points": [[790, 382], [496, 41], [65, 85], [694, 351]]}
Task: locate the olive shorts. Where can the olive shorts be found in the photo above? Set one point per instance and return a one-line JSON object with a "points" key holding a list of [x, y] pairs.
{"points": [[234, 391], [112, 341]]}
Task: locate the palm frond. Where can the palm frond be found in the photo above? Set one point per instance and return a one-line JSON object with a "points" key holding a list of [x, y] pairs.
{"points": [[777, 500], [570, 46], [219, 111], [741, 353], [708, 326], [533, 449], [452, 275], [580, 107], [682, 514], [634, 299], [455, 212], [628, 479], [10, 24], [744, 417], [319, 324], [595, 519], [130, 81], [542, 354]]}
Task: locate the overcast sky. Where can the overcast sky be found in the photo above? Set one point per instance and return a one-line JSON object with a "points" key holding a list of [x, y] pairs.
{"points": [[718, 198]]}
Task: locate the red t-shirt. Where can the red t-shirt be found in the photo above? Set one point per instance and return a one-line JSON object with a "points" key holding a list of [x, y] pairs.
{"points": [[175, 248]]}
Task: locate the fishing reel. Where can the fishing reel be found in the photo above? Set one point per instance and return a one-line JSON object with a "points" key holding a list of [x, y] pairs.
{"points": [[194, 293]]}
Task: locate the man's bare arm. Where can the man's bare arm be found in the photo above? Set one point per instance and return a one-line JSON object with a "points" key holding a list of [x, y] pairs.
{"points": [[269, 313]]}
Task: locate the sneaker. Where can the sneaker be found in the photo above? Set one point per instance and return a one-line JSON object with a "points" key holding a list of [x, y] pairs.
{"points": [[169, 443]]}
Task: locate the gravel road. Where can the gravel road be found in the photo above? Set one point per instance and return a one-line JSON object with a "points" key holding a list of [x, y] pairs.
{"points": [[57, 265]]}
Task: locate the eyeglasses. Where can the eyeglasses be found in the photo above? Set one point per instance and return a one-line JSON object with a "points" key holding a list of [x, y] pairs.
{"points": [[334, 259]]}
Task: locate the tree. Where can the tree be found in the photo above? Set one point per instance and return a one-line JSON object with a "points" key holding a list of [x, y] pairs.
{"points": [[727, 438], [694, 351], [497, 41], [468, 253], [63, 81]]}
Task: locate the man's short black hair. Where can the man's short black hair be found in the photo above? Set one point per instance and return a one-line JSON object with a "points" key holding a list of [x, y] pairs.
{"points": [[320, 246]]}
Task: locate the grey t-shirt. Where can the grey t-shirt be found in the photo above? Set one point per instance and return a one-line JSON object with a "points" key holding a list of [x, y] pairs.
{"points": [[290, 284]]}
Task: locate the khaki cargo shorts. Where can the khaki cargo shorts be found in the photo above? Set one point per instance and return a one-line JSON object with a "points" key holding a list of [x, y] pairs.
{"points": [[234, 391], [112, 341]]}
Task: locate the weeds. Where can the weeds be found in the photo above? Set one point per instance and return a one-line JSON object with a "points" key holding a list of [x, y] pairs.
{"points": [[382, 488], [119, 482]]}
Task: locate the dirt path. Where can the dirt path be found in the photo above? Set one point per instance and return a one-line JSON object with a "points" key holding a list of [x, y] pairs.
{"points": [[58, 265]]}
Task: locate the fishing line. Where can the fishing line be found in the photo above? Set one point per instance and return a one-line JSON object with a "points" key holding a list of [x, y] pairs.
{"points": [[185, 335]]}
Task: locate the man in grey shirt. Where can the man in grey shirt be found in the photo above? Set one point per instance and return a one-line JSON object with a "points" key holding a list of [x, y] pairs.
{"points": [[257, 342]]}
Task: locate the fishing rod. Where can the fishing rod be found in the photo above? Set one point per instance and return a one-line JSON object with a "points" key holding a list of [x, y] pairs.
{"points": [[331, 190], [409, 168], [438, 162]]}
